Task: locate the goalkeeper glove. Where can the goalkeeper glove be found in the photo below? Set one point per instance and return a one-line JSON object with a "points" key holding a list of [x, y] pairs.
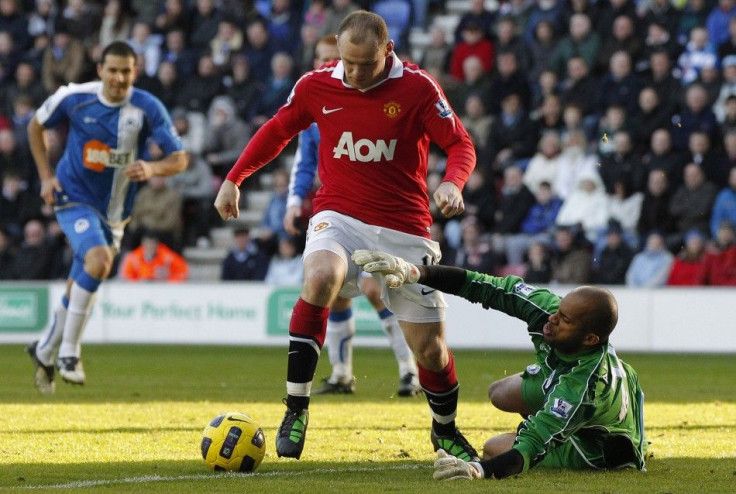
{"points": [[448, 467], [395, 270]]}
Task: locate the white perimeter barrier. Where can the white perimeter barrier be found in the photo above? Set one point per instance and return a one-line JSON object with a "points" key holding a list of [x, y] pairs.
{"points": [[661, 320]]}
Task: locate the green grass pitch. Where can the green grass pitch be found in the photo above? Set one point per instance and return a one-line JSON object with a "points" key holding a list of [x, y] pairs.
{"points": [[136, 425]]}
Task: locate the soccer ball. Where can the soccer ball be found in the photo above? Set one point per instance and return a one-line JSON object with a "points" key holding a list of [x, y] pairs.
{"points": [[233, 441]]}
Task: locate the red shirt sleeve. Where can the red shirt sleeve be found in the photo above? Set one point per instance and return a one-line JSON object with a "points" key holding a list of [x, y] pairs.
{"points": [[274, 135], [447, 131]]}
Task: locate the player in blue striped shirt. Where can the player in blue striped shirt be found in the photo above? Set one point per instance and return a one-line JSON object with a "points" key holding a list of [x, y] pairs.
{"points": [[92, 190]]}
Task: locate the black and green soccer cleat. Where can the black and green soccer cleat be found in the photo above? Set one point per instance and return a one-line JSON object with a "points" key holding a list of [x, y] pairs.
{"points": [[336, 388], [455, 445], [292, 432]]}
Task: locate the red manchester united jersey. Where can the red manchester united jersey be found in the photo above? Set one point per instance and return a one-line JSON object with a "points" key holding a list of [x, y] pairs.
{"points": [[374, 143]]}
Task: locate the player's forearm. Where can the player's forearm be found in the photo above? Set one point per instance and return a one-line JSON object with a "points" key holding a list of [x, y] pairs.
{"points": [[447, 279], [265, 145], [39, 149], [460, 162], [170, 165]]}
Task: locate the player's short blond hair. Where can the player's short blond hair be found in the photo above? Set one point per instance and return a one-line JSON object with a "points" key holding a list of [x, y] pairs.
{"points": [[364, 27], [328, 40]]}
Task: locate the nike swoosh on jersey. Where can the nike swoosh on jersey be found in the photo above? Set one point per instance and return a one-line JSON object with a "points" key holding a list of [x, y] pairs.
{"points": [[325, 111], [427, 292]]}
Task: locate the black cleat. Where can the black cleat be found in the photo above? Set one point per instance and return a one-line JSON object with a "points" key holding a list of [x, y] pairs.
{"points": [[292, 433], [455, 445], [335, 388], [409, 385], [43, 376]]}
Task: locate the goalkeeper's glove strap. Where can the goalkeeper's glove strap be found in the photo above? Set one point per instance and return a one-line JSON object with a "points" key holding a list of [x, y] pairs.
{"points": [[504, 465]]}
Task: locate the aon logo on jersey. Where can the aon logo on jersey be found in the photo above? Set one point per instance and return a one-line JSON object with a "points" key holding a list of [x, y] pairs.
{"points": [[364, 150], [97, 156]]}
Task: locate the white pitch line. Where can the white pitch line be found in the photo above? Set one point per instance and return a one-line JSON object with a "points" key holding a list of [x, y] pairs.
{"points": [[200, 476]]}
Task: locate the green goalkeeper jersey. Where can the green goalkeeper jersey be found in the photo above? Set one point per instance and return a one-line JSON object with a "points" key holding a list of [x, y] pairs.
{"points": [[591, 403]]}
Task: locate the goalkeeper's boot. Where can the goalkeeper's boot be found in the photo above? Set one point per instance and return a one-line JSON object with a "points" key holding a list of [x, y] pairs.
{"points": [[292, 432], [43, 376], [456, 445], [339, 387], [71, 370], [409, 385]]}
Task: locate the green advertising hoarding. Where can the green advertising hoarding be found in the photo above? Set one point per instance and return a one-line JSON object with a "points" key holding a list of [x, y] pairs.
{"points": [[23, 309], [282, 300]]}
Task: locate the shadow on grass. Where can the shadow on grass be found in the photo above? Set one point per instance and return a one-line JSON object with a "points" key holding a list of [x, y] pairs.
{"points": [[663, 475]]}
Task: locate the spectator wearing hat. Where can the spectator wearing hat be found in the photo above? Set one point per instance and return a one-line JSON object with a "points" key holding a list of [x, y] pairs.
{"points": [[586, 205], [650, 268], [153, 261], [246, 260], [225, 136], [688, 268]]}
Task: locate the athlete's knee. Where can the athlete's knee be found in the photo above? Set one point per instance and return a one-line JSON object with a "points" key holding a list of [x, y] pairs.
{"points": [[431, 353], [372, 292], [98, 262], [496, 394], [496, 445]]}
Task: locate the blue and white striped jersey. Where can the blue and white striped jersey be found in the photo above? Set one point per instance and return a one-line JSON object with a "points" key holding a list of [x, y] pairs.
{"points": [[104, 138]]}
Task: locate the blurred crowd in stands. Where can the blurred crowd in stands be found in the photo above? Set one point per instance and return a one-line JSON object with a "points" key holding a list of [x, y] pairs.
{"points": [[605, 130]]}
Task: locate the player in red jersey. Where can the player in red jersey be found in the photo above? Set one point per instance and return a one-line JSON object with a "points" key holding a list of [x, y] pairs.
{"points": [[376, 117]]}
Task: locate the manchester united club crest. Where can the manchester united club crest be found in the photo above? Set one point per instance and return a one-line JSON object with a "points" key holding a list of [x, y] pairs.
{"points": [[392, 109]]}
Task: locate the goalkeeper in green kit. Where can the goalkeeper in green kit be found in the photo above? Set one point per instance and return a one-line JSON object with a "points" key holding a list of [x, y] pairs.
{"points": [[583, 406]]}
